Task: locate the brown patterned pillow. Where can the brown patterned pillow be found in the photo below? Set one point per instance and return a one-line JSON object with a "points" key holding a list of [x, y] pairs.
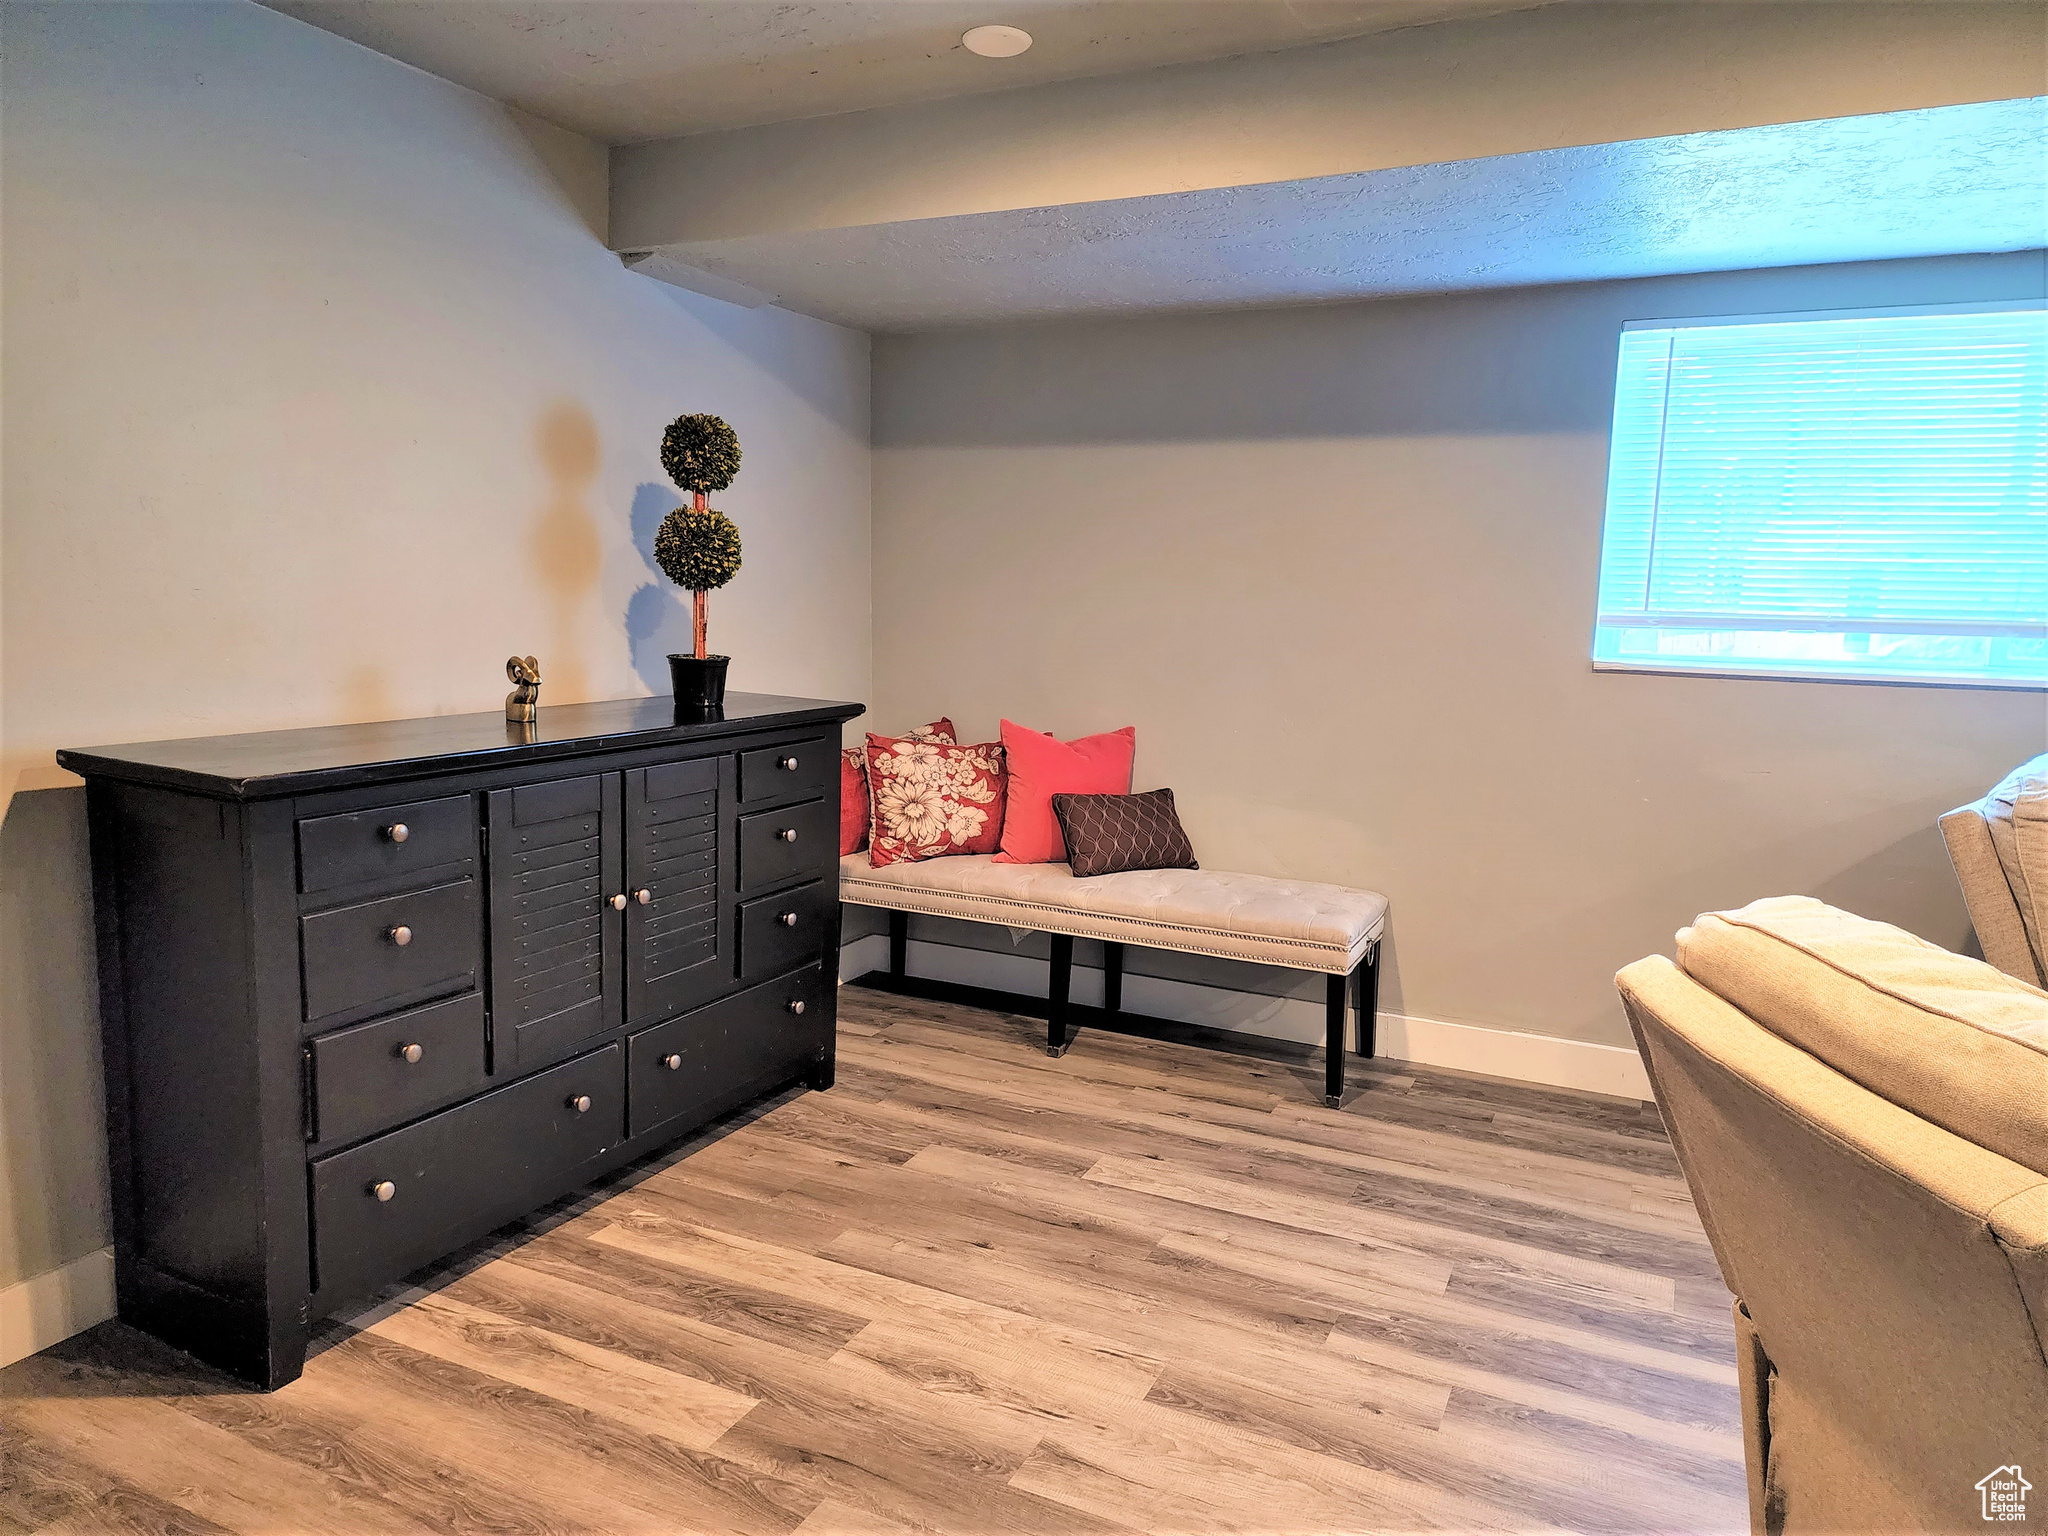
{"points": [[1109, 833]]}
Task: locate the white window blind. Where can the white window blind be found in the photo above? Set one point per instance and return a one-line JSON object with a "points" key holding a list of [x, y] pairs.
{"points": [[1849, 496]]}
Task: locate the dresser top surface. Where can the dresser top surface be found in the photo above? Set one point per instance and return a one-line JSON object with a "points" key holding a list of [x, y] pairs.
{"points": [[262, 765]]}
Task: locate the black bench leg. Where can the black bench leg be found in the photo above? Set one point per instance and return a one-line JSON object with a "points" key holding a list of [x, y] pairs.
{"points": [[1056, 1037], [1337, 992], [899, 944], [1368, 974], [1112, 977]]}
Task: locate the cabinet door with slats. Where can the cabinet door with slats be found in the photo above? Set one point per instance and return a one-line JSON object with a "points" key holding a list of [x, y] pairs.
{"points": [[679, 943], [555, 934]]}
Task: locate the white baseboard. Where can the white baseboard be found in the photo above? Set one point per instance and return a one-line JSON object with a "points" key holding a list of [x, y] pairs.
{"points": [[1543, 1059], [47, 1309]]}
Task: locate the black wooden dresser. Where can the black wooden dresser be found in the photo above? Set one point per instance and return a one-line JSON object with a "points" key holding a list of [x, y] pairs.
{"points": [[370, 991]]}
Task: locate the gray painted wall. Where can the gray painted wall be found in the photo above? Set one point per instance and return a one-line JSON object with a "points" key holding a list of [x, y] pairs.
{"points": [[1337, 565]]}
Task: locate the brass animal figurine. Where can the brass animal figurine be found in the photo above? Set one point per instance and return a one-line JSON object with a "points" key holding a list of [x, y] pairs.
{"points": [[523, 702]]}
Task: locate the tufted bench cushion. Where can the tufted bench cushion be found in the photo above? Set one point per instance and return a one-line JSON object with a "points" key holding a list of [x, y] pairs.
{"points": [[1301, 924]]}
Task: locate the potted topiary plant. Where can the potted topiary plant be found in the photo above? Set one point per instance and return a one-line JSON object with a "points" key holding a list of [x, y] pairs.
{"points": [[697, 547]]}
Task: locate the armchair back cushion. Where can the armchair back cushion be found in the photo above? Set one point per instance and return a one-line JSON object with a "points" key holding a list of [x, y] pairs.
{"points": [[1946, 1037], [2016, 814], [1994, 912]]}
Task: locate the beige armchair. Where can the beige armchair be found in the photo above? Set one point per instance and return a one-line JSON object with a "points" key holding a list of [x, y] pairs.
{"points": [[1863, 1119], [1999, 846]]}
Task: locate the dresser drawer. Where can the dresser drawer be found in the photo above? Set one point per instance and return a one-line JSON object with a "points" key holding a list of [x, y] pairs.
{"points": [[786, 929], [372, 1076], [393, 844], [395, 950], [390, 1205], [777, 847], [692, 1066], [770, 775]]}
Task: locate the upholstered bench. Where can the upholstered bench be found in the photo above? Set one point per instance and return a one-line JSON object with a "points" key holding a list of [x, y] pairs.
{"points": [[1299, 924]]}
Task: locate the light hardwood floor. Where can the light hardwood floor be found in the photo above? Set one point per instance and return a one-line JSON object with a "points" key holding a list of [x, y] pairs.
{"points": [[1147, 1287]]}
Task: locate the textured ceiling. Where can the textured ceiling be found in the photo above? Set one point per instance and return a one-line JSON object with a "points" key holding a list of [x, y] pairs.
{"points": [[628, 70], [1933, 182]]}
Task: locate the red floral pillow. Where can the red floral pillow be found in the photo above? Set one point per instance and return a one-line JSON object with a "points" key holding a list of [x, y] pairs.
{"points": [[853, 785], [933, 798]]}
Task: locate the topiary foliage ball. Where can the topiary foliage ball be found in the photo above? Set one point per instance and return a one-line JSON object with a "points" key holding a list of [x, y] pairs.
{"points": [[700, 453], [698, 551]]}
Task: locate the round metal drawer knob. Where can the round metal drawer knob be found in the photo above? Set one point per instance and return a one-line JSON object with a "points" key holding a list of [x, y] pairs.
{"points": [[643, 896], [788, 765], [796, 1005], [788, 919], [580, 1102], [401, 935], [787, 834], [412, 1052], [619, 902], [673, 1063], [383, 1189], [398, 832]]}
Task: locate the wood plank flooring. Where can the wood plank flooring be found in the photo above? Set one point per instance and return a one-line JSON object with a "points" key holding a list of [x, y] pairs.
{"points": [[1147, 1287]]}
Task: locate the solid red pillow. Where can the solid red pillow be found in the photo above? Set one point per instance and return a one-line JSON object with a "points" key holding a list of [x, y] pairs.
{"points": [[853, 785], [933, 798], [1040, 768]]}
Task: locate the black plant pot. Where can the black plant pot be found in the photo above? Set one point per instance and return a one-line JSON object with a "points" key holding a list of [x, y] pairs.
{"points": [[698, 681]]}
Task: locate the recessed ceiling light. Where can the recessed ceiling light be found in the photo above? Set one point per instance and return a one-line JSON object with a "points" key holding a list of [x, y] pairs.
{"points": [[996, 42]]}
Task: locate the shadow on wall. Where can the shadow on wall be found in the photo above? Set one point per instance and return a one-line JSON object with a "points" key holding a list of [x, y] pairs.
{"points": [[1518, 361], [834, 384], [1905, 879], [567, 552], [1889, 884], [53, 1175], [657, 622]]}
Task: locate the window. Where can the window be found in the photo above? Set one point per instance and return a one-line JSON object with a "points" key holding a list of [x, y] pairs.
{"points": [[1858, 495]]}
